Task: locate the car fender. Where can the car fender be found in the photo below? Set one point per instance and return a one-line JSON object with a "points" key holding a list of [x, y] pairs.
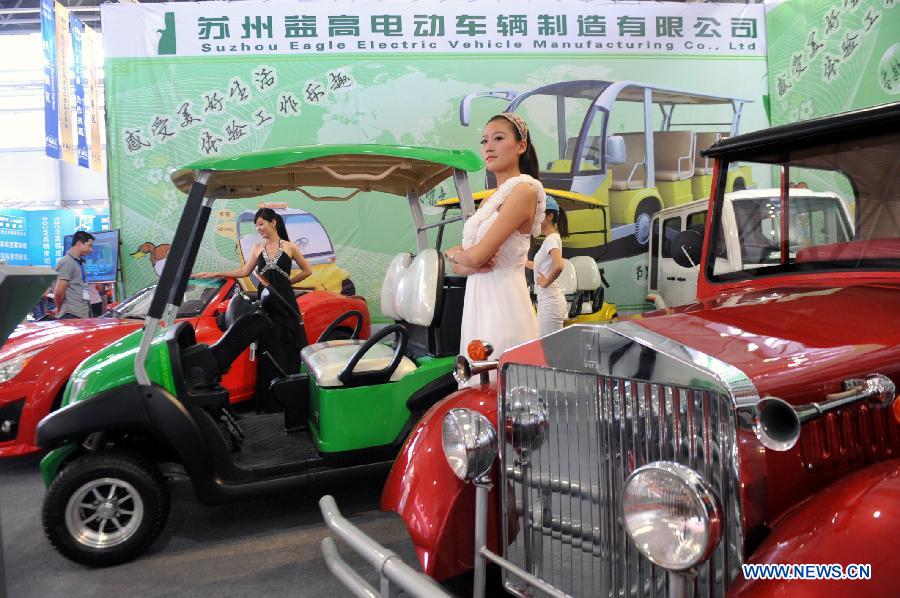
{"points": [[437, 507], [44, 378], [130, 407], [853, 521]]}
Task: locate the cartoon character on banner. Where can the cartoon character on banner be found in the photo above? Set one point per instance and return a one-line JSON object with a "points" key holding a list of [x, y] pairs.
{"points": [[157, 253]]}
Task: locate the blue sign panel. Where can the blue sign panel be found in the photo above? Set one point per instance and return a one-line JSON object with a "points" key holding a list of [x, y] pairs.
{"points": [[14, 239], [77, 29], [46, 235], [51, 106]]}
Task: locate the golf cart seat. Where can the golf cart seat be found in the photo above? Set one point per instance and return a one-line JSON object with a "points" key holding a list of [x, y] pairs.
{"points": [[568, 279], [409, 294], [327, 360], [202, 366], [589, 287]]}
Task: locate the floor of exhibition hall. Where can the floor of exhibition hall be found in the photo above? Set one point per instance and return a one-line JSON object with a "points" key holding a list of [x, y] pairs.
{"points": [[265, 547]]}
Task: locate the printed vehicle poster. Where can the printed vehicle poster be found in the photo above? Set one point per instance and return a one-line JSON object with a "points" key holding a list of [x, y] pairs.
{"points": [[190, 80], [829, 56]]}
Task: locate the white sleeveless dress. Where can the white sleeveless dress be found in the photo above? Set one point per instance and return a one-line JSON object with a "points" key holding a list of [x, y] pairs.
{"points": [[497, 306]]}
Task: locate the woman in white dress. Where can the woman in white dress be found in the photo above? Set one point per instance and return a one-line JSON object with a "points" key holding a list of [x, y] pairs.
{"points": [[497, 307], [547, 266]]}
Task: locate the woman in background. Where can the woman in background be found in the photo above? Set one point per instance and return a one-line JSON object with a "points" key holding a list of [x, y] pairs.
{"points": [[547, 266]]}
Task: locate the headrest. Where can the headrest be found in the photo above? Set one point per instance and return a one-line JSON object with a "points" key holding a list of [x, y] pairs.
{"points": [[417, 292], [587, 272], [389, 304], [567, 279]]}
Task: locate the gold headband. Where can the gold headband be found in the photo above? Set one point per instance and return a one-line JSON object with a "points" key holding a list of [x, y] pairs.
{"points": [[518, 123]]}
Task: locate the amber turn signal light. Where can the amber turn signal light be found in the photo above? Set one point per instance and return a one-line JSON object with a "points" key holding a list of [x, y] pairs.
{"points": [[479, 350]]}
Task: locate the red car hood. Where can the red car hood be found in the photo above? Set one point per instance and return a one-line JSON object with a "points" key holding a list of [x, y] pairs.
{"points": [[39, 335], [794, 341]]}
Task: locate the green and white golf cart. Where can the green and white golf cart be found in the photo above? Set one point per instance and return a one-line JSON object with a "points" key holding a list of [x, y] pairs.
{"points": [[152, 402]]}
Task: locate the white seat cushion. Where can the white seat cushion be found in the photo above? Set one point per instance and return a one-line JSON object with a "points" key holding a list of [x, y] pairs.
{"points": [[396, 269], [587, 272], [326, 360], [417, 291], [567, 279]]}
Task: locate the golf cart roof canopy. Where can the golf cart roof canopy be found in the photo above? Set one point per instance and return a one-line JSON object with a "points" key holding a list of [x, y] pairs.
{"points": [[568, 200], [631, 91], [396, 169]]}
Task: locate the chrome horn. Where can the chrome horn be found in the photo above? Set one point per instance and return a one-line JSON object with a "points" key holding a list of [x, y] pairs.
{"points": [[776, 423], [476, 363]]}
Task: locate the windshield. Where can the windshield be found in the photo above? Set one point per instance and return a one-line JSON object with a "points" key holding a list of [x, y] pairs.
{"points": [[197, 296], [555, 123], [813, 221], [843, 213]]}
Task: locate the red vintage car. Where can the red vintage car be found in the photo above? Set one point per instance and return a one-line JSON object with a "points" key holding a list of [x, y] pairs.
{"points": [[743, 445], [39, 357]]}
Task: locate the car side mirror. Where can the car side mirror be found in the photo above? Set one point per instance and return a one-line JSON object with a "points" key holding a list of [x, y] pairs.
{"points": [[615, 149], [686, 248]]}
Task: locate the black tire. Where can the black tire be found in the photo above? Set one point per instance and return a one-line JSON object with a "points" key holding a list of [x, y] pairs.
{"points": [[738, 185], [347, 287], [134, 485], [643, 218]]}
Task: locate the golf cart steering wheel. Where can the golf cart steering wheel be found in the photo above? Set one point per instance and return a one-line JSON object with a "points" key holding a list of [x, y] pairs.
{"points": [[357, 328], [351, 378]]}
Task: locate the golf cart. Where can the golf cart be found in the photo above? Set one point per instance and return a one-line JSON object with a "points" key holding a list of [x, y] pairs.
{"points": [[656, 164], [582, 278], [138, 409]]}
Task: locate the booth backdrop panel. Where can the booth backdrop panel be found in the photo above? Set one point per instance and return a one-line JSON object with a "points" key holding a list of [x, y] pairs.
{"points": [[182, 83]]}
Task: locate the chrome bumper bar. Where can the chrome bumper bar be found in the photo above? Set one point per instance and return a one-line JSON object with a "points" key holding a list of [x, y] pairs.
{"points": [[395, 574]]}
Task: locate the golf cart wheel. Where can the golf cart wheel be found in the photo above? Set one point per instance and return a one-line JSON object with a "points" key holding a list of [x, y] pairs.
{"points": [[643, 218], [105, 508]]}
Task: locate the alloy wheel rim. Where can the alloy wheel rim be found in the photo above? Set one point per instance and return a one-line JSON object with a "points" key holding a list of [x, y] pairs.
{"points": [[104, 513]]}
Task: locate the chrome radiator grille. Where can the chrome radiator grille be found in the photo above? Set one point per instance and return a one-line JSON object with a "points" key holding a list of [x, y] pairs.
{"points": [[566, 483]]}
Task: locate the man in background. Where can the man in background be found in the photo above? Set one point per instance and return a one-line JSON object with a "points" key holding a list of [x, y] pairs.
{"points": [[72, 296]]}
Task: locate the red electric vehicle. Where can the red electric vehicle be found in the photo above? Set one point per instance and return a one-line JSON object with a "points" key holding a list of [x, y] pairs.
{"points": [[670, 454], [39, 357]]}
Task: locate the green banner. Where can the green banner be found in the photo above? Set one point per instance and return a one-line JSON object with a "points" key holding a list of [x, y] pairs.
{"points": [[166, 110], [829, 56]]}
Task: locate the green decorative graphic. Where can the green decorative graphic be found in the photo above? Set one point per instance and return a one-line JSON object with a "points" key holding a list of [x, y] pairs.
{"points": [[167, 43], [829, 56]]}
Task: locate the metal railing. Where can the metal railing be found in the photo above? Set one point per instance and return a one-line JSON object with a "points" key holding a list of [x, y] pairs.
{"points": [[395, 574]]}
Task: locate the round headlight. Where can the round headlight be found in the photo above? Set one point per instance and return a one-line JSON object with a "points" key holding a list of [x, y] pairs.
{"points": [[671, 515], [470, 443]]}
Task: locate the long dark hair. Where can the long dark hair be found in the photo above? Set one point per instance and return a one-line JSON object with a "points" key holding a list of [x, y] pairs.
{"points": [[560, 220], [270, 215], [528, 161]]}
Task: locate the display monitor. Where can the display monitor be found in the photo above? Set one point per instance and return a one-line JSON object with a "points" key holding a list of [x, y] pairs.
{"points": [[101, 264]]}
